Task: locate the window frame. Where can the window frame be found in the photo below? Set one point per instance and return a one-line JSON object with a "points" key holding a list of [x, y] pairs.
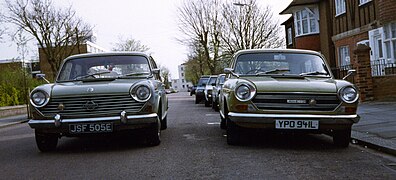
{"points": [[342, 60], [312, 15], [340, 7], [363, 2], [289, 36]]}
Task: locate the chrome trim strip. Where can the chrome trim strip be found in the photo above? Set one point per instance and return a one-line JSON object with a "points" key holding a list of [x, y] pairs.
{"points": [[248, 115], [113, 118]]}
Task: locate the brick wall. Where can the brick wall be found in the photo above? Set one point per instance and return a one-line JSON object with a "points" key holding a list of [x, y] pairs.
{"points": [[363, 78], [384, 87], [310, 42], [386, 11]]}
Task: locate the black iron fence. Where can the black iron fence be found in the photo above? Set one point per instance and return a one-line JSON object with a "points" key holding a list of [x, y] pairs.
{"points": [[382, 68], [341, 71]]}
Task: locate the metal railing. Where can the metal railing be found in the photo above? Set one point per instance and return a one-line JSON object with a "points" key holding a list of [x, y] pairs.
{"points": [[341, 71], [382, 68]]}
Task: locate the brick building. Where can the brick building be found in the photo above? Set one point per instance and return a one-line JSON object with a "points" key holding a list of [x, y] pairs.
{"points": [[352, 34], [87, 47]]}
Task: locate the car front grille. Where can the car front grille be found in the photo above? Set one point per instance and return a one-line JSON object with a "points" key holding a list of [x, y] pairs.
{"points": [[98, 105], [296, 101]]}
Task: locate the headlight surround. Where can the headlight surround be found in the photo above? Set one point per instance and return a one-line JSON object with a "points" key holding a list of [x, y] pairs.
{"points": [[348, 94], [245, 92], [141, 93], [39, 98]]}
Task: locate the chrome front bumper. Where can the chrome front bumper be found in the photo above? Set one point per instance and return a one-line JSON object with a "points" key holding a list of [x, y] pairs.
{"points": [[117, 120], [268, 120]]}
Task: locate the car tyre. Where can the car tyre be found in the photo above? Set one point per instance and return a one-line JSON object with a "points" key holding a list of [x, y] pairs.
{"points": [[46, 142], [197, 100], [223, 123], [164, 123], [207, 103], [153, 136], [341, 138], [233, 133]]}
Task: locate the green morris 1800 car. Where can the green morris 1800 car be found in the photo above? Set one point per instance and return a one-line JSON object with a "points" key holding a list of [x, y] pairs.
{"points": [[100, 93], [286, 91]]}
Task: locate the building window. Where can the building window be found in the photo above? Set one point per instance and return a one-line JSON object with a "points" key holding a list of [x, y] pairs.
{"points": [[181, 68], [306, 21], [389, 41], [289, 36], [343, 55], [340, 7], [182, 80], [184, 86], [361, 2], [182, 74]]}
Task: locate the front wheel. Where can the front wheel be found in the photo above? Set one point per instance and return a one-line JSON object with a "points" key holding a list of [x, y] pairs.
{"points": [[341, 138], [153, 135], [46, 141], [233, 133], [207, 103]]}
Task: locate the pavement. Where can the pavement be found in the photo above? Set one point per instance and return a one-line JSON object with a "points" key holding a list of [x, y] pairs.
{"points": [[376, 128]]}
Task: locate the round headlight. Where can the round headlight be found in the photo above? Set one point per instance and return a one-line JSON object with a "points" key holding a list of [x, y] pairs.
{"points": [[349, 94], [141, 93], [39, 98], [245, 92]]}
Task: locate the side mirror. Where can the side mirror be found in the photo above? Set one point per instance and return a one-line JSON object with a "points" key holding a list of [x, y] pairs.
{"points": [[156, 71], [351, 72], [42, 76], [228, 70]]}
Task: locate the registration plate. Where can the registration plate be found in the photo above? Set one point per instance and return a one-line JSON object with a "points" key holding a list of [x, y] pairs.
{"points": [[90, 128], [296, 124]]}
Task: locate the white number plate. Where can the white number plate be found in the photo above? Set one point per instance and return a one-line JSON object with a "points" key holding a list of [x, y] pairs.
{"points": [[296, 124], [91, 128]]}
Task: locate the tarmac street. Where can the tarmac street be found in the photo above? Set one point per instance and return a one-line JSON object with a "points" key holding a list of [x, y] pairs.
{"points": [[193, 147], [376, 128]]}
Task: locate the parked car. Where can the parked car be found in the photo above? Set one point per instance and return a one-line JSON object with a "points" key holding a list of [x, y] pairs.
{"points": [[287, 91], [193, 88], [89, 99], [216, 91], [199, 91], [209, 89]]}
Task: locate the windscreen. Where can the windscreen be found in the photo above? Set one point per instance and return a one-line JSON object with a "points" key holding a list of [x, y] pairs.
{"points": [[104, 67], [280, 63]]}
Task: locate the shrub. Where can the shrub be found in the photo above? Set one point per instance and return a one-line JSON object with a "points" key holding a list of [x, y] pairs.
{"points": [[12, 85]]}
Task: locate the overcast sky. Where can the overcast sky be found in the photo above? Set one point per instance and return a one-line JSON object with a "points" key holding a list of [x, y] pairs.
{"points": [[153, 22]]}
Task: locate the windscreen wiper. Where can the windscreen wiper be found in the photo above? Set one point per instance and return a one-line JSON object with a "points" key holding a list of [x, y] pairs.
{"points": [[273, 71], [314, 73], [135, 74]]}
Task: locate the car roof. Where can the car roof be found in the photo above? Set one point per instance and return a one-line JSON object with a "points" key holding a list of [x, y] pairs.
{"points": [[299, 51], [114, 53]]}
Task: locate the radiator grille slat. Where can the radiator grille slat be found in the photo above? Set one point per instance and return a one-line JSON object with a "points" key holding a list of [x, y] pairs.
{"points": [[296, 101], [104, 105]]}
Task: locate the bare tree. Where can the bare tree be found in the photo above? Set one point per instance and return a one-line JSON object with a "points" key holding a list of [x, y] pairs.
{"points": [[199, 21], [58, 32], [165, 75], [247, 26], [2, 27], [130, 44]]}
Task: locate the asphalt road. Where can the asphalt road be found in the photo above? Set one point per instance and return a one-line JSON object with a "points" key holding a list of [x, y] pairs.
{"points": [[193, 147]]}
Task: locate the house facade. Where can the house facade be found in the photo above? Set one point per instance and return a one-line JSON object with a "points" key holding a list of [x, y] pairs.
{"points": [[181, 84], [352, 34]]}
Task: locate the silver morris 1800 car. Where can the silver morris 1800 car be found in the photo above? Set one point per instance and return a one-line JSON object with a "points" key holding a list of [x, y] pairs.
{"points": [[286, 91], [100, 93]]}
